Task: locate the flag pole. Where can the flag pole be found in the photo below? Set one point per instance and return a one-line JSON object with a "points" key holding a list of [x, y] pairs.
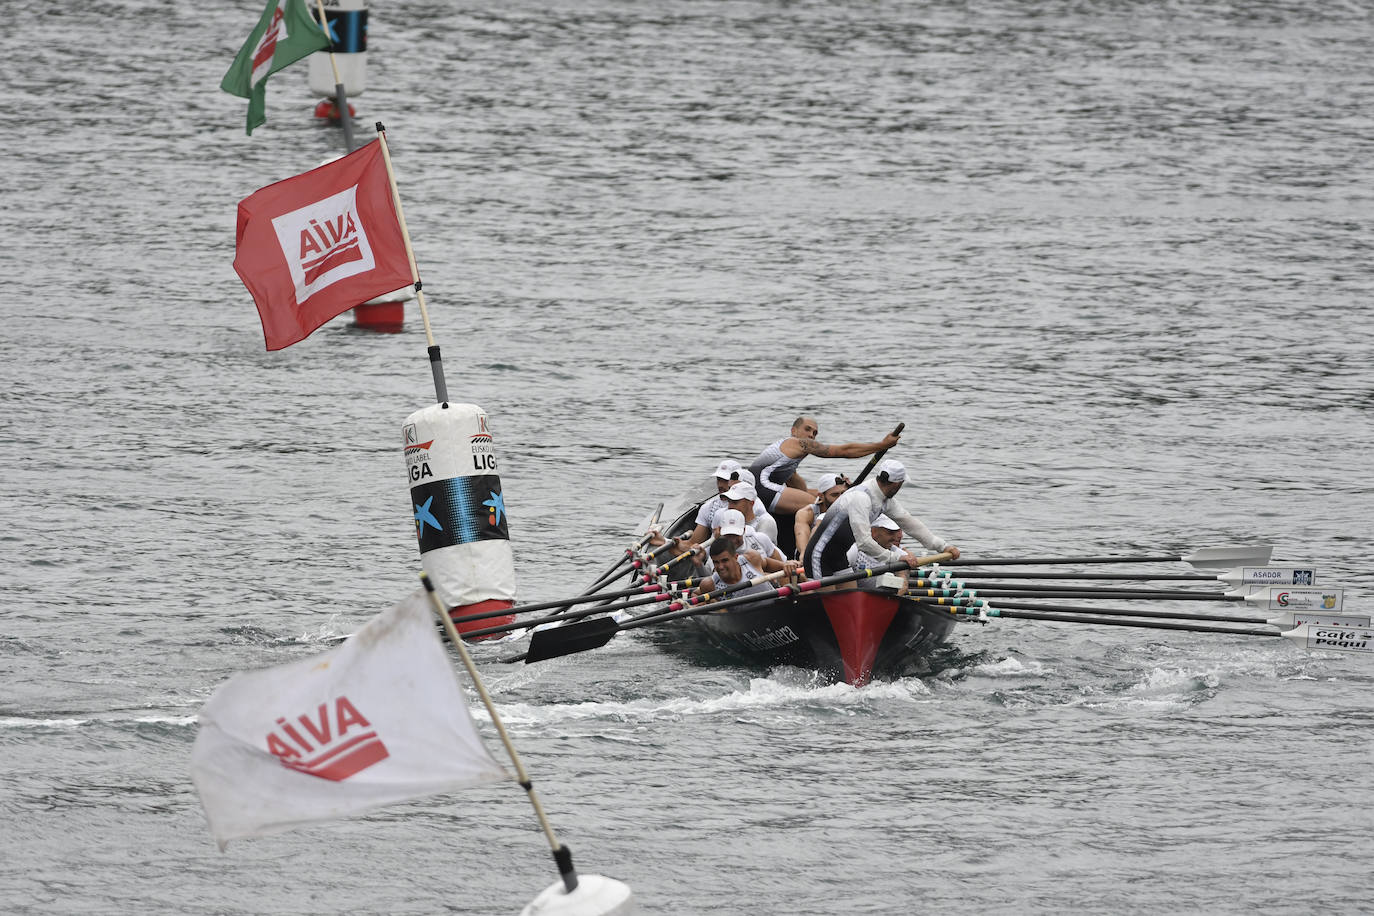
{"points": [[436, 363], [561, 854], [340, 99]]}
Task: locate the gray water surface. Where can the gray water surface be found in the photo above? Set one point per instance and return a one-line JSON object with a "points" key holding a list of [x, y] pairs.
{"points": [[1109, 262]]}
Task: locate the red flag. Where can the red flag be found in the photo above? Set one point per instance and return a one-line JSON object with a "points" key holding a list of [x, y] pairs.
{"points": [[316, 245]]}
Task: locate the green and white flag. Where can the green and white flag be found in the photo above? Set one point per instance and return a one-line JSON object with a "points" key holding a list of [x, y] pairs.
{"points": [[285, 33]]}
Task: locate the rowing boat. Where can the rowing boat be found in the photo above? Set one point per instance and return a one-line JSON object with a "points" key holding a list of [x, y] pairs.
{"points": [[853, 634]]}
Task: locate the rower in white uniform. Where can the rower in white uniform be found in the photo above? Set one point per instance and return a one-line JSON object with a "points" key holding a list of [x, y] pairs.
{"points": [[745, 536], [828, 489], [728, 473], [850, 521], [733, 567], [744, 499], [888, 535], [780, 487]]}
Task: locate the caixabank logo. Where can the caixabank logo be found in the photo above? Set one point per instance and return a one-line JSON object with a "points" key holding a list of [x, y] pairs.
{"points": [[459, 510]]}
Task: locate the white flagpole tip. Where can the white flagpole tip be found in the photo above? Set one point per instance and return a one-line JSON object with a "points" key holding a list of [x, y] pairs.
{"points": [[596, 895]]}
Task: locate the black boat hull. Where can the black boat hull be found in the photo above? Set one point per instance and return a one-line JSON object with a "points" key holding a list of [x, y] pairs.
{"points": [[854, 635]]}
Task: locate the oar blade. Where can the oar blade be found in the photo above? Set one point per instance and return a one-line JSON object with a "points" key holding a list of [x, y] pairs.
{"points": [[1290, 619], [1228, 557], [556, 642], [1314, 598], [1270, 575], [1340, 639]]}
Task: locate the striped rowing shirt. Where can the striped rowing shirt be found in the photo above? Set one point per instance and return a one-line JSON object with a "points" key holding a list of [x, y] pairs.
{"points": [[755, 539], [749, 573], [772, 469], [706, 515], [850, 521], [859, 560]]}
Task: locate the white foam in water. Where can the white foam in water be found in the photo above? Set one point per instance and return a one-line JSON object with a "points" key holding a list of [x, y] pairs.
{"points": [[763, 693], [1010, 667], [16, 722]]}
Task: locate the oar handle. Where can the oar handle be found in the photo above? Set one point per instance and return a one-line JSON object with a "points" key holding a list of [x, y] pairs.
{"points": [[873, 462]]}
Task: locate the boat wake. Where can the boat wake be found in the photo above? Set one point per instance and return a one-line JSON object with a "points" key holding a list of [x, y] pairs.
{"points": [[783, 689]]}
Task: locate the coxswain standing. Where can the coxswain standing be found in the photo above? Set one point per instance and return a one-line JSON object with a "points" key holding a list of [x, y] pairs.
{"points": [[850, 520], [780, 487]]}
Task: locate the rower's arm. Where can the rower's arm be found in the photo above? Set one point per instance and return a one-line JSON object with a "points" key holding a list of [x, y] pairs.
{"points": [[801, 527], [914, 526], [698, 535], [847, 450], [862, 529]]}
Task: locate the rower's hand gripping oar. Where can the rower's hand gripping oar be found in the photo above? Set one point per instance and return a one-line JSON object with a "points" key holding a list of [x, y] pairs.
{"points": [[873, 462]]}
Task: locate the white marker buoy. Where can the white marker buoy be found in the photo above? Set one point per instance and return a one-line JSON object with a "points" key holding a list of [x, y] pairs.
{"points": [[460, 512], [347, 20], [596, 895]]}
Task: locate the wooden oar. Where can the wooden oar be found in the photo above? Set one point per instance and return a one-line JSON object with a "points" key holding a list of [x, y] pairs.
{"points": [[616, 572], [1297, 604], [1145, 624], [972, 607], [590, 634], [1273, 598], [1242, 575], [1288, 618], [630, 552], [878, 456], [573, 615], [989, 589], [1111, 576], [1007, 590], [1311, 636], [602, 622], [560, 604], [1206, 557], [674, 591]]}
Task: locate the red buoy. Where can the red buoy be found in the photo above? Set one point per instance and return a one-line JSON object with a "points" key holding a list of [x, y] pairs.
{"points": [[329, 109], [382, 317], [483, 607]]}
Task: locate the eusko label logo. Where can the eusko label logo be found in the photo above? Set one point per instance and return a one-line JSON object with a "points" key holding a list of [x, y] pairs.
{"points": [[414, 448], [324, 243]]}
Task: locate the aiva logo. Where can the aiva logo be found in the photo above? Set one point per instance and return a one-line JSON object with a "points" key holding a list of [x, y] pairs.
{"points": [[324, 242], [334, 742]]}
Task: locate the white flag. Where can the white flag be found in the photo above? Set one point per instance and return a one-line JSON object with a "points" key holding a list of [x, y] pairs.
{"points": [[381, 719]]}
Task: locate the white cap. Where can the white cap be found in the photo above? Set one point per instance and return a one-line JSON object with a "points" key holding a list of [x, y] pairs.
{"points": [[729, 469], [731, 522], [827, 481], [742, 489], [885, 522], [893, 469]]}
